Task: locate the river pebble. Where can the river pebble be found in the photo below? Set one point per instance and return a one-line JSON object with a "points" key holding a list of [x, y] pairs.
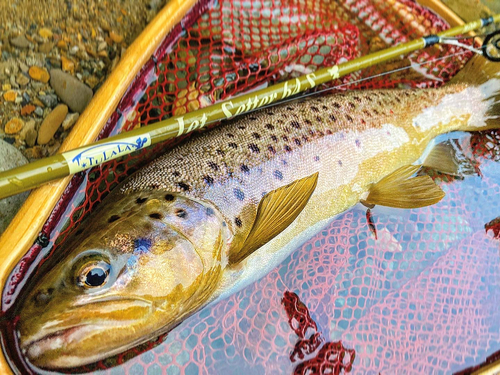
{"points": [[20, 42], [51, 124], [70, 120], [39, 74], [71, 91]]}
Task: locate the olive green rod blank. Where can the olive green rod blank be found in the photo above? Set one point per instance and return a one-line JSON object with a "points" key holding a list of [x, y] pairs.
{"points": [[58, 166]]}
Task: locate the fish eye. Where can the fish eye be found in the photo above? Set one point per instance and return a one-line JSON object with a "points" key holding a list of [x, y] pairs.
{"points": [[94, 274]]}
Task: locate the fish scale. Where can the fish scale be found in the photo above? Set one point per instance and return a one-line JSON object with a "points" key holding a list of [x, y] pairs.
{"points": [[224, 164]]}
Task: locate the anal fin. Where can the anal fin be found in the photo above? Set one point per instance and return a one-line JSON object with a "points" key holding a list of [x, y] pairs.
{"points": [[276, 211], [401, 190]]}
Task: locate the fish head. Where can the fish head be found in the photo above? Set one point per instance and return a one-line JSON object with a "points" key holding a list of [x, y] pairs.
{"points": [[142, 264]]}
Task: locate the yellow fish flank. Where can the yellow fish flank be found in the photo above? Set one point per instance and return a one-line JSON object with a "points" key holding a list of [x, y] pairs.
{"points": [[224, 208]]}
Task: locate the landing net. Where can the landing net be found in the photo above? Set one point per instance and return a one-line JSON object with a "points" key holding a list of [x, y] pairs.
{"points": [[421, 297]]}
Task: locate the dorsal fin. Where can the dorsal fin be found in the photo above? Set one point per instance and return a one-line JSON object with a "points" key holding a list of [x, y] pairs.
{"points": [[401, 190], [276, 211]]}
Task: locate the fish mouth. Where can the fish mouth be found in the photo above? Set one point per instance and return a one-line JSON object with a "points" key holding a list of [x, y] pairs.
{"points": [[34, 347]]}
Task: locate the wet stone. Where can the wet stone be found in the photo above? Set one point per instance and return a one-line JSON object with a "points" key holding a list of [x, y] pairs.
{"points": [[27, 109], [46, 47], [39, 74], [14, 126], [45, 33], [51, 124], [20, 42], [10, 158], [10, 95], [71, 91], [70, 120], [22, 80], [48, 100], [39, 111]]}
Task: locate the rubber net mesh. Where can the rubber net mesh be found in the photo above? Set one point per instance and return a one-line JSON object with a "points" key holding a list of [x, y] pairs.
{"points": [[418, 294]]}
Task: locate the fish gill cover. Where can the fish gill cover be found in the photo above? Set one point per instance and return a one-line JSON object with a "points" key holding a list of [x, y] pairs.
{"points": [[422, 296]]}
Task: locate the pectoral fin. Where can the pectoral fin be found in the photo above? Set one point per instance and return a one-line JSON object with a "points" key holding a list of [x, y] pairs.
{"points": [[276, 211], [401, 190]]}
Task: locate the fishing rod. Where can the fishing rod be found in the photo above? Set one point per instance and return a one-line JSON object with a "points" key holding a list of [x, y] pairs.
{"points": [[37, 173]]}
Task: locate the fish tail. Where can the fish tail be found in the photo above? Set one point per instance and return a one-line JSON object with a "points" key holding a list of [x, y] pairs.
{"points": [[483, 78]]}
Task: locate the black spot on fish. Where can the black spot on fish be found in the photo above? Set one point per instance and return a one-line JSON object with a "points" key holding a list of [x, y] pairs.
{"points": [[358, 143], [269, 126], [288, 148], [349, 118], [155, 215], [333, 118], [319, 118], [271, 149], [212, 165], [183, 186], [141, 200], [397, 99], [278, 174], [233, 145], [175, 174], [340, 162], [274, 138], [169, 197], [241, 127], [376, 112], [352, 105], [253, 118], [289, 108], [324, 107], [285, 138], [220, 152], [244, 168], [357, 98], [367, 113], [253, 147], [297, 141], [230, 135], [113, 218], [308, 122], [270, 113], [336, 105], [314, 108], [239, 194], [181, 213], [328, 131], [209, 180], [238, 222], [256, 135], [295, 124], [305, 138], [79, 231], [316, 158], [210, 211]]}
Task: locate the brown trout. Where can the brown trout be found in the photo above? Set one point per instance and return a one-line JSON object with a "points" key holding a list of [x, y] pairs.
{"points": [[224, 208]]}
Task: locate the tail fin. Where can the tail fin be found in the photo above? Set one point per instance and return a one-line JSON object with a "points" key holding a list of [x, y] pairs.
{"points": [[484, 75]]}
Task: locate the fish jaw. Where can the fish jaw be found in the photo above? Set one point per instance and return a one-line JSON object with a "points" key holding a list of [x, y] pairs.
{"points": [[88, 332]]}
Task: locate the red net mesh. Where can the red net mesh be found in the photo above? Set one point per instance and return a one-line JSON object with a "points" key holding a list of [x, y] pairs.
{"points": [[422, 296]]}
